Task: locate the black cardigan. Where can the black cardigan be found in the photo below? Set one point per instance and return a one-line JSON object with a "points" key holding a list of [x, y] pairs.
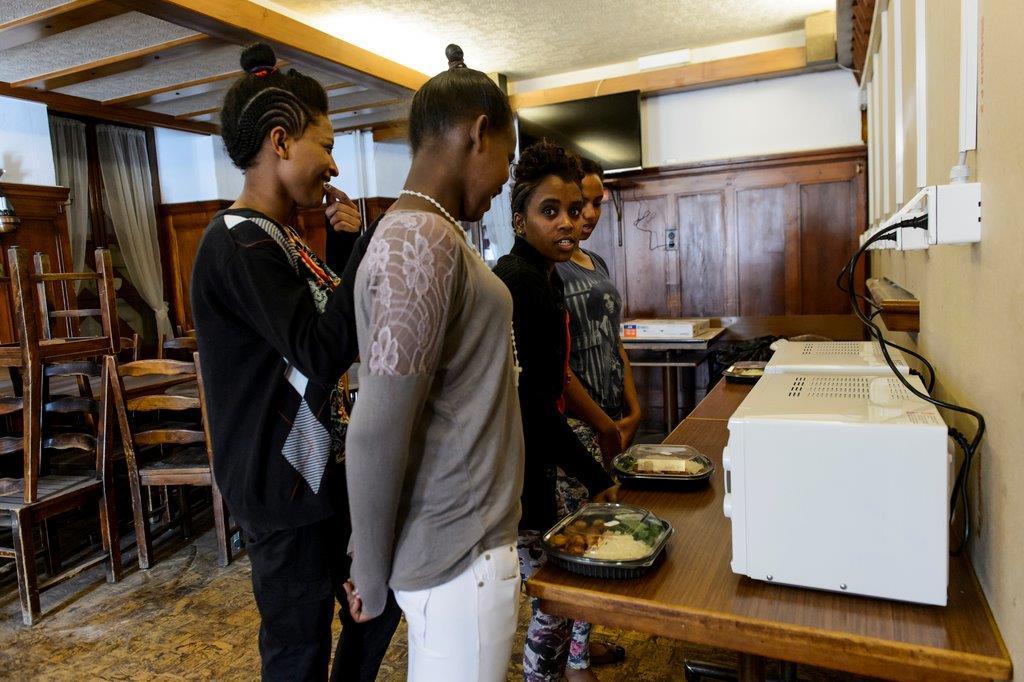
{"points": [[539, 320], [254, 318]]}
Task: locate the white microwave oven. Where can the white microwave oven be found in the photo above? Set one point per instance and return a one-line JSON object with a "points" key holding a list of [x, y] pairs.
{"points": [[840, 483], [833, 357]]}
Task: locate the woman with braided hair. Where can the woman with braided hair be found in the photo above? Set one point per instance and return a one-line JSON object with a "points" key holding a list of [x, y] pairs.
{"points": [[277, 332], [435, 447]]}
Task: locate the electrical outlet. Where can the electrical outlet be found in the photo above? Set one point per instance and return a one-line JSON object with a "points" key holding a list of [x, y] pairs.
{"points": [[954, 216], [670, 240]]}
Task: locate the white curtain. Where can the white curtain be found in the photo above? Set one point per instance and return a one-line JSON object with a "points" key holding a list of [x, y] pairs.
{"points": [[128, 196], [498, 222], [67, 139]]}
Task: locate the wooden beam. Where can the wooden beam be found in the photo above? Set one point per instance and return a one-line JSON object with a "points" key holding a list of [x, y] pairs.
{"points": [[391, 131], [80, 106], [820, 37], [386, 116], [359, 100], [244, 21], [116, 63], [56, 20], [770, 64]]}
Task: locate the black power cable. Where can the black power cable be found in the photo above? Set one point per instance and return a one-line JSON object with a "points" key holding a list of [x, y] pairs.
{"points": [[971, 448], [878, 310]]}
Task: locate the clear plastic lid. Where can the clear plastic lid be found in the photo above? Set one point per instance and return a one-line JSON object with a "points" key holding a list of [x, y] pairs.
{"points": [[663, 460], [609, 533]]}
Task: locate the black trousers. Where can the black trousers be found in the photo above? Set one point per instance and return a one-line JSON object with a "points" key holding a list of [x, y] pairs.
{"points": [[297, 576]]}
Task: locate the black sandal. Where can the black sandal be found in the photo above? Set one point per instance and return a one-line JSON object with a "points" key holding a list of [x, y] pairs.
{"points": [[613, 654]]}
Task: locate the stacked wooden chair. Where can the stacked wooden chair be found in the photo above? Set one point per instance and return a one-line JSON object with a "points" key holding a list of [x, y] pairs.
{"points": [[36, 359], [163, 449]]}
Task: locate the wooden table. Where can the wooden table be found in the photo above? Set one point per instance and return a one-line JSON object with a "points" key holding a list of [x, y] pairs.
{"points": [[694, 596]]}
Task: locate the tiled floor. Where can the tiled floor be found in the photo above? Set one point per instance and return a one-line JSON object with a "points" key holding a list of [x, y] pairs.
{"points": [[189, 619]]}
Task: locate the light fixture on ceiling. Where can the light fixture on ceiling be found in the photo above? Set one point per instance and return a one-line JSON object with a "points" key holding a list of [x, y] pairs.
{"points": [[9, 221], [663, 59]]}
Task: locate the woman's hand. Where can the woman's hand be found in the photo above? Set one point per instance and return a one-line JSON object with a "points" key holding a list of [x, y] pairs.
{"points": [[607, 495], [628, 427], [609, 439], [341, 211], [355, 603]]}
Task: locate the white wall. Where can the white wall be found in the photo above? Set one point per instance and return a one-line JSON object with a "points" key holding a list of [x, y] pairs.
{"points": [[229, 179], [197, 167], [809, 111], [391, 163], [194, 167], [186, 167], [25, 151]]}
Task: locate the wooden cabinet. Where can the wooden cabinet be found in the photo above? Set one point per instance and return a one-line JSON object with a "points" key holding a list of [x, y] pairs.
{"points": [[44, 228], [763, 236]]}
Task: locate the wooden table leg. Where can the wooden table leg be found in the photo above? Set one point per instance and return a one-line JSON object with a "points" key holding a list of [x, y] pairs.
{"points": [[751, 668], [669, 386]]}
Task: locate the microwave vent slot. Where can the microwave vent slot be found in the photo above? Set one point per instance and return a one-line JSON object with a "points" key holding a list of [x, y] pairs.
{"points": [[830, 387], [831, 348]]}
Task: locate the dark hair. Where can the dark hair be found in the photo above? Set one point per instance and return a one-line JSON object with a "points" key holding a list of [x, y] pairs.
{"points": [[591, 167], [538, 161], [265, 98], [453, 96]]}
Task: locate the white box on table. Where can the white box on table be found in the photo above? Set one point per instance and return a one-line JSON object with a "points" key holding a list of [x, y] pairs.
{"points": [[664, 329]]}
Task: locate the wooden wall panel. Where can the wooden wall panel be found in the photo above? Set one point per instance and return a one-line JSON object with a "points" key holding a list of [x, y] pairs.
{"points": [[826, 242], [645, 274], [181, 228], [702, 269], [44, 228], [761, 233]]}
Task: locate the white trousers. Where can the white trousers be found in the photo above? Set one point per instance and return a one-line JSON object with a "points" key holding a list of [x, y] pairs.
{"points": [[463, 629]]}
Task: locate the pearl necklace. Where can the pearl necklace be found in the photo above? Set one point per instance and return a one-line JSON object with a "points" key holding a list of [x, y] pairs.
{"points": [[472, 247]]}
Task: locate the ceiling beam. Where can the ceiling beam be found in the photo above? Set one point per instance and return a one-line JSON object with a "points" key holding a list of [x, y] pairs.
{"points": [[244, 21], [117, 63], [55, 20], [359, 100], [391, 131], [80, 106], [388, 115], [770, 64], [198, 86]]}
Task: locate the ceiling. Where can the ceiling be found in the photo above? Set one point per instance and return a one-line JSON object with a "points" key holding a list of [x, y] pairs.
{"points": [[531, 38], [97, 57]]}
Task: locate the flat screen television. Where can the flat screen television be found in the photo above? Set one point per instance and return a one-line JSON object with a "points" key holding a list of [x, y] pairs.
{"points": [[605, 128]]}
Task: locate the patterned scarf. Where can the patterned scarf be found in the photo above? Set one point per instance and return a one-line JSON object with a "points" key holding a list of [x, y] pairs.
{"points": [[322, 282]]}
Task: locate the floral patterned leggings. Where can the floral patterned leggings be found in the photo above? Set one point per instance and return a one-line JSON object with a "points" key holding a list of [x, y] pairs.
{"points": [[553, 642]]}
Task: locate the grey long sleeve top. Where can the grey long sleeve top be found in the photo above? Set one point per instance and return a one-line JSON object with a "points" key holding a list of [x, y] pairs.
{"points": [[435, 446]]}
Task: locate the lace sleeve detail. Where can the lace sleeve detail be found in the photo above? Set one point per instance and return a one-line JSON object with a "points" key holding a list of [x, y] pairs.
{"points": [[411, 265]]}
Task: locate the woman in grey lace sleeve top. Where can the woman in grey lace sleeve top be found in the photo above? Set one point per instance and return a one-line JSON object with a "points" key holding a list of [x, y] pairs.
{"points": [[435, 445]]}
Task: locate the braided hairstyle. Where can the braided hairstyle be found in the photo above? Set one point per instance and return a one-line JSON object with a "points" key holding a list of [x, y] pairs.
{"points": [[453, 96], [537, 162], [263, 99]]}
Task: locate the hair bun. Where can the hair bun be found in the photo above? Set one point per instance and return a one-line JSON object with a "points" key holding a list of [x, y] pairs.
{"points": [[456, 58], [258, 56]]}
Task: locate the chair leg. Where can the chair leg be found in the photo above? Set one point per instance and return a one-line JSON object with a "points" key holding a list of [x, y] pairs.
{"points": [[220, 522], [143, 539], [25, 563], [186, 513], [110, 533], [51, 548]]}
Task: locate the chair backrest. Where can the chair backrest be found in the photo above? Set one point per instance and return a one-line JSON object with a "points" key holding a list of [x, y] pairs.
{"points": [[178, 346], [57, 299], [134, 437]]}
